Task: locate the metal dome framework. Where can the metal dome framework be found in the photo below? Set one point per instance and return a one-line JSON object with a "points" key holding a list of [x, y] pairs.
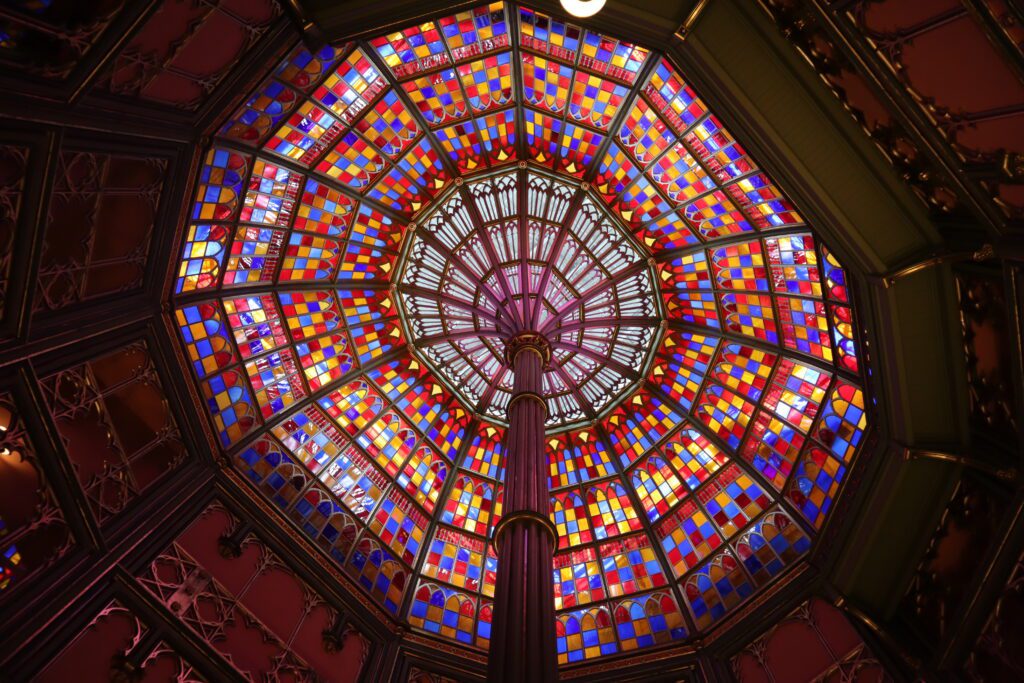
{"points": [[519, 252], [682, 484]]}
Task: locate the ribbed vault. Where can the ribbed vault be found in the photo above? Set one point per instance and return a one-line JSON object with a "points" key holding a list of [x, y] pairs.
{"points": [[524, 252]]}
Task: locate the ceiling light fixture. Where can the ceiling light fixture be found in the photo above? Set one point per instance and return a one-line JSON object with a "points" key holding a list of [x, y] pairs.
{"points": [[582, 8]]}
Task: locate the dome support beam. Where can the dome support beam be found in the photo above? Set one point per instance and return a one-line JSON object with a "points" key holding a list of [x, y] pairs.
{"points": [[523, 638]]}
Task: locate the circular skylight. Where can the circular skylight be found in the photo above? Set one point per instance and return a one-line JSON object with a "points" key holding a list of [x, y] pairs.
{"points": [[521, 251]]}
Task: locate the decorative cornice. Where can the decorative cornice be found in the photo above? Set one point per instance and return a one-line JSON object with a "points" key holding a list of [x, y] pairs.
{"points": [[443, 646], [314, 553], [675, 652], [755, 603]]}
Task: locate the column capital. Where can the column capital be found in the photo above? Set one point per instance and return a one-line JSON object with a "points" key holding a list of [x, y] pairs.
{"points": [[534, 342]]}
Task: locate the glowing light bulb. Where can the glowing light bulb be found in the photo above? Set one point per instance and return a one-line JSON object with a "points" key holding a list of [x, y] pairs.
{"points": [[582, 8], [5, 422]]}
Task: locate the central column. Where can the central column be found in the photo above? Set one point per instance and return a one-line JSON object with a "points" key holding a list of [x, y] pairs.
{"points": [[523, 627]]}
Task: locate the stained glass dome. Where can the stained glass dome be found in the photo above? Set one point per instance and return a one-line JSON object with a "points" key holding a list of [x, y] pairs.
{"points": [[379, 214], [494, 260]]}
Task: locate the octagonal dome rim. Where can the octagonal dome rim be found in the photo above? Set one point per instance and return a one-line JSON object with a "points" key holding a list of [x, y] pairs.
{"points": [[629, 448]]}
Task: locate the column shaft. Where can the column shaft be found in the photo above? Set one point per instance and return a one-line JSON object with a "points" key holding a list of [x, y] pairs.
{"points": [[523, 631]]}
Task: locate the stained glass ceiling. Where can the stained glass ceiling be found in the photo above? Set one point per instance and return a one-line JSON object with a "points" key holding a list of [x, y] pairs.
{"points": [[377, 211]]}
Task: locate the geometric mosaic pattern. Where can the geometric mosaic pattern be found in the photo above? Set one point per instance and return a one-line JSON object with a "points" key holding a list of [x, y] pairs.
{"points": [[706, 406]]}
